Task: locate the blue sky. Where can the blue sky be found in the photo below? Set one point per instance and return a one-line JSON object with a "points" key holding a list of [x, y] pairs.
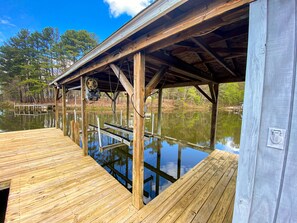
{"points": [[102, 17]]}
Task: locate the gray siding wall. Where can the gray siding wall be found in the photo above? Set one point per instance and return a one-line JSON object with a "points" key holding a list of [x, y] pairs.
{"points": [[267, 177]]}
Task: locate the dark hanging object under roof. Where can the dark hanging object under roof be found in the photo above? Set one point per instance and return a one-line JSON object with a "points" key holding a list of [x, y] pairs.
{"points": [[93, 92]]}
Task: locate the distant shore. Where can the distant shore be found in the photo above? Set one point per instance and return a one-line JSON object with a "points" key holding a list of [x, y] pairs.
{"points": [[167, 105]]}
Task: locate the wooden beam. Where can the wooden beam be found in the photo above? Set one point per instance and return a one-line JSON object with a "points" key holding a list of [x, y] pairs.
{"points": [[138, 133], [76, 133], [214, 114], [182, 84], [200, 42], [159, 124], [204, 94], [177, 65], [64, 123], [127, 111], [174, 27], [201, 29], [84, 116], [108, 95], [213, 60], [155, 81], [212, 92], [56, 108], [122, 78]]}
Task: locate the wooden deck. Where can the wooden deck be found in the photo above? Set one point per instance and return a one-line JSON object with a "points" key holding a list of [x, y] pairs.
{"points": [[51, 181]]}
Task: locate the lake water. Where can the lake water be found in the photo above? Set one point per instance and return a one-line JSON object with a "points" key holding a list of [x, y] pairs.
{"points": [[165, 160]]}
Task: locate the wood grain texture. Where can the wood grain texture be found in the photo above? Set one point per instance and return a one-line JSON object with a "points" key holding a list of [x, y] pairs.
{"points": [[122, 78], [128, 111], [269, 102], [214, 116], [250, 129], [51, 181], [56, 108], [64, 121], [84, 116], [207, 185], [138, 130]]}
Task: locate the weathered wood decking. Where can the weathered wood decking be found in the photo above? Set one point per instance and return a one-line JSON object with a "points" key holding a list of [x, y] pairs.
{"points": [[51, 181]]}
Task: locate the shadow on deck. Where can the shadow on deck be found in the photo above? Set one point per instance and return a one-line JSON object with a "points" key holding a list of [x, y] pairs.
{"points": [[51, 181]]}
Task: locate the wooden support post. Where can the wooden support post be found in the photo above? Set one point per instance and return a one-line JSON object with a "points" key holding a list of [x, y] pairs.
{"points": [[114, 110], [72, 130], [84, 119], [214, 115], [64, 110], [56, 108], [76, 133], [138, 133], [128, 112], [99, 132], [159, 127], [266, 182]]}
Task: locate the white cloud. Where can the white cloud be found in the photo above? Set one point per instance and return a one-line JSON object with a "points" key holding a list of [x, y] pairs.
{"points": [[6, 22], [130, 7]]}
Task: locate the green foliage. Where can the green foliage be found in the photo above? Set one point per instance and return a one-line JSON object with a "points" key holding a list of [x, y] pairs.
{"points": [[29, 61], [231, 93]]}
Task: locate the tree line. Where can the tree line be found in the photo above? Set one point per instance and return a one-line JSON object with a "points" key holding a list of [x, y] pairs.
{"points": [[30, 60]]}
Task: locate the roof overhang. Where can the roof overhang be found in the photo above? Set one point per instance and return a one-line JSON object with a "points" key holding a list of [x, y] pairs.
{"points": [[144, 18]]}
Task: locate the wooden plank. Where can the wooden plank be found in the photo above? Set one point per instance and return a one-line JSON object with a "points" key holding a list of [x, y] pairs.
{"points": [[64, 121], [194, 17], [5, 184], [208, 196], [177, 206], [229, 214], [116, 137], [224, 204], [84, 118], [122, 78], [47, 185], [124, 130], [138, 130], [113, 146], [176, 189], [155, 81]]}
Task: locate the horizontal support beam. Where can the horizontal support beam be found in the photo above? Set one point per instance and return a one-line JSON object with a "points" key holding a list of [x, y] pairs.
{"points": [[186, 21], [177, 65], [124, 130], [201, 29]]}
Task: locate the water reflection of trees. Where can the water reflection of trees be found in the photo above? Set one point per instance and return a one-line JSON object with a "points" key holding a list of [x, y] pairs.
{"points": [[11, 122], [195, 126]]}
